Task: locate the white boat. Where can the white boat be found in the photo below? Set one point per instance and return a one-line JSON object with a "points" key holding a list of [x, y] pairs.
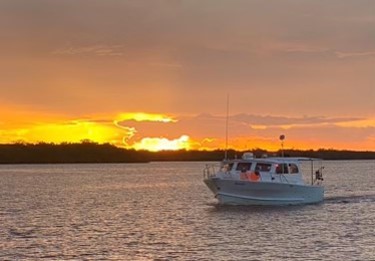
{"points": [[265, 181]]}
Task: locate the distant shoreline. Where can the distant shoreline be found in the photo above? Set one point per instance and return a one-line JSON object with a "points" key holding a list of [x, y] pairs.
{"points": [[89, 152]]}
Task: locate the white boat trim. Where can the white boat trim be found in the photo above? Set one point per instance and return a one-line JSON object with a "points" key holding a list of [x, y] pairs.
{"points": [[259, 198]]}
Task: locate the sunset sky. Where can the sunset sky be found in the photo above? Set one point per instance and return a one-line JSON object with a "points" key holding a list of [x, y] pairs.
{"points": [[156, 74]]}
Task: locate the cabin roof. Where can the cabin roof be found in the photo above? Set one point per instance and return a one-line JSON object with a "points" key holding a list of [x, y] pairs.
{"points": [[274, 160]]}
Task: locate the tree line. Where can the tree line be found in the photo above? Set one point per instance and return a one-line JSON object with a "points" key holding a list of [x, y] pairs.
{"points": [[90, 152]]}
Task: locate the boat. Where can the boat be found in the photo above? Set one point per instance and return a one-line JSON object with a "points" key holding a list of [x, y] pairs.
{"points": [[273, 181]]}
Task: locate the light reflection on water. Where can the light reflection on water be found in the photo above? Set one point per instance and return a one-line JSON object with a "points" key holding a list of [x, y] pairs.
{"points": [[163, 211]]}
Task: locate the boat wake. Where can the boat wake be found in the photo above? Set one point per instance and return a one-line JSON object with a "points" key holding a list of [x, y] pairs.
{"points": [[350, 199], [217, 207]]}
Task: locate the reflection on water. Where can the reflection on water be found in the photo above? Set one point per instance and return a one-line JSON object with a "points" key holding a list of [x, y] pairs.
{"points": [[163, 211]]}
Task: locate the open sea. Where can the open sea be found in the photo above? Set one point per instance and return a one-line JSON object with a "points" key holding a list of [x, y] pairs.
{"points": [[163, 211]]}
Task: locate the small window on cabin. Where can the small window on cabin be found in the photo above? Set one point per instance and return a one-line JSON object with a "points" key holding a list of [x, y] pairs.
{"points": [[243, 166], [263, 167], [282, 168], [293, 169]]}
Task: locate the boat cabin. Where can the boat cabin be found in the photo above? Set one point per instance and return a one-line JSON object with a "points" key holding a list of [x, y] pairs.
{"points": [[285, 170]]}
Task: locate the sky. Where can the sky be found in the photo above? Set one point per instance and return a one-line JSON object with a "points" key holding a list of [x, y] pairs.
{"points": [[157, 74]]}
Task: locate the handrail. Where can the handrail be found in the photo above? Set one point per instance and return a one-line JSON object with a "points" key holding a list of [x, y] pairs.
{"points": [[209, 171]]}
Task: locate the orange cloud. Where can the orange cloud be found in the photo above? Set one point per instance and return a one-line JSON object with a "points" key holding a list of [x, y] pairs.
{"points": [[366, 123], [141, 116]]}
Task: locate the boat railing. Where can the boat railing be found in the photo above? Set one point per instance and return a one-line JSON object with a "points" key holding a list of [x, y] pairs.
{"points": [[209, 171], [317, 179]]}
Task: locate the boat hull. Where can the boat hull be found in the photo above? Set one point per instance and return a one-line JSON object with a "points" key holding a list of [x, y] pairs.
{"points": [[236, 192]]}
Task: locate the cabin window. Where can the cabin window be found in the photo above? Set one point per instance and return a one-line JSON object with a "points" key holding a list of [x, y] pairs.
{"points": [[293, 169], [263, 167], [282, 168], [243, 166]]}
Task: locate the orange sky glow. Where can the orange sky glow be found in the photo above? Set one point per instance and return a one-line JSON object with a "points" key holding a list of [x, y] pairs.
{"points": [[155, 75]]}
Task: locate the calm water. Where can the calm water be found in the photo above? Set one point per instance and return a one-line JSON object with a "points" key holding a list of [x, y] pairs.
{"points": [[163, 211]]}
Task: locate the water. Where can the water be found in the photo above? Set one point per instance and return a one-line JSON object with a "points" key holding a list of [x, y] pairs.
{"points": [[163, 211]]}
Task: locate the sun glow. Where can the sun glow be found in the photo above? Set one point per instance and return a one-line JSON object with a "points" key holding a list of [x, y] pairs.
{"points": [[158, 144], [74, 131]]}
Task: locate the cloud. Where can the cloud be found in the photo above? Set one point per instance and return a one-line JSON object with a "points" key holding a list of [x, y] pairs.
{"points": [[269, 120], [207, 131], [293, 47], [207, 125], [97, 50], [354, 54], [141, 116]]}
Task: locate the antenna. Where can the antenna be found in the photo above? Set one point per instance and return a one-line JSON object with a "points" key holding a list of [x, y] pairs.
{"points": [[282, 138], [226, 129]]}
